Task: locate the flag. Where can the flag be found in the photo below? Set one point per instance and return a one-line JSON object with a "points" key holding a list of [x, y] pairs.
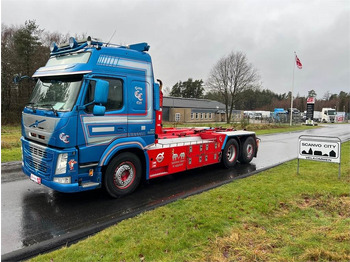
{"points": [[299, 65]]}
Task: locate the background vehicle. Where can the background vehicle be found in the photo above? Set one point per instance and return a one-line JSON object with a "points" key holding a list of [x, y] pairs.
{"points": [[328, 115], [317, 116], [257, 116], [280, 115]]}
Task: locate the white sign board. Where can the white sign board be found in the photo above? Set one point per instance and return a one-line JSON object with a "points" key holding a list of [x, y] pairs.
{"points": [[319, 149]]}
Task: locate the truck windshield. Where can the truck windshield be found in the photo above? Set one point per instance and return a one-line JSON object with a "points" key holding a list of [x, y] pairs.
{"points": [[56, 93], [332, 112]]}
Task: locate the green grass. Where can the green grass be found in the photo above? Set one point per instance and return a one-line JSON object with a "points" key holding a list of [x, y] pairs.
{"points": [[276, 215], [279, 129], [10, 136], [10, 143]]}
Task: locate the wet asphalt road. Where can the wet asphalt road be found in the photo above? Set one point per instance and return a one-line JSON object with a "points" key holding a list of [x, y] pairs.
{"points": [[33, 214]]}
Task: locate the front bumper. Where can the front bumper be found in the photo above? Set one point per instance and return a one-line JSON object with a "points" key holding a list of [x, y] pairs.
{"points": [[41, 161]]}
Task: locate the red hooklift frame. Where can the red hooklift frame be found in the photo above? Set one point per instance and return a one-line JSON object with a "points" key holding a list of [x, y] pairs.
{"points": [[178, 150]]}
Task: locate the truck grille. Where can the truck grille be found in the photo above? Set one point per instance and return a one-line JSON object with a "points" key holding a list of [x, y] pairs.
{"points": [[37, 151], [36, 165], [39, 159]]}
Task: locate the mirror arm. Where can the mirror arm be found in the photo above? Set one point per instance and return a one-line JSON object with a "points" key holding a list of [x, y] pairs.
{"points": [[92, 102], [84, 106], [18, 78]]}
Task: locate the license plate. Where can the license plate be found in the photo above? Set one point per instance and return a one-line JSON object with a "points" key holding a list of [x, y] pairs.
{"points": [[35, 178]]}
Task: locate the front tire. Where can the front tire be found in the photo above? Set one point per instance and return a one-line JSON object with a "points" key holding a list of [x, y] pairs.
{"points": [[248, 151], [123, 175], [230, 154]]}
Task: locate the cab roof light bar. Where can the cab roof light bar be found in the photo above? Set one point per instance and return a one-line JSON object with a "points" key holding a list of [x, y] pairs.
{"points": [[73, 45]]}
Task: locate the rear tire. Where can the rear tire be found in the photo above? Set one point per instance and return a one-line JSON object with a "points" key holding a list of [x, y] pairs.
{"points": [[230, 154], [123, 175], [248, 151]]}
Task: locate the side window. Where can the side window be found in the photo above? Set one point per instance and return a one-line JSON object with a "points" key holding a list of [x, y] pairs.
{"points": [[115, 95]]}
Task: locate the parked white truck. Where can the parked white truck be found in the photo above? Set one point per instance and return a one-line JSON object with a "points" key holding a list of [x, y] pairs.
{"points": [[328, 115]]}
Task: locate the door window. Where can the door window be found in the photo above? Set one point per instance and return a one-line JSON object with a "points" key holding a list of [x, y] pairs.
{"points": [[115, 95]]}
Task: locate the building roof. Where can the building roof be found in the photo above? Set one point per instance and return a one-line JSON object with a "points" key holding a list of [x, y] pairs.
{"points": [[179, 102]]}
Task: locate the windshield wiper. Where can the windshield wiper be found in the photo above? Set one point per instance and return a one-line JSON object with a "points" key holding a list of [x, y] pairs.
{"points": [[51, 107], [32, 106]]}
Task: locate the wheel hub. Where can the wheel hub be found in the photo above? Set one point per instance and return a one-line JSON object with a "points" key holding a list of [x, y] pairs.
{"points": [[124, 175], [231, 153], [249, 151]]}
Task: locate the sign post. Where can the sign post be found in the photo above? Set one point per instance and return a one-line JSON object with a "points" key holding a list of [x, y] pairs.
{"points": [[310, 105], [320, 148]]}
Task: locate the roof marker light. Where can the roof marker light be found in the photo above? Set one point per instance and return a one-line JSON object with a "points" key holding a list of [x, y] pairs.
{"points": [[53, 47], [89, 40], [72, 42]]}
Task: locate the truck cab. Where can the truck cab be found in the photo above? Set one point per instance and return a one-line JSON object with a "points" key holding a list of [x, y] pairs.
{"points": [[328, 115], [86, 97], [280, 115]]}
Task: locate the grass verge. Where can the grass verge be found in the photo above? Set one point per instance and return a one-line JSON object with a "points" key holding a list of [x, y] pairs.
{"points": [[10, 143], [276, 215]]}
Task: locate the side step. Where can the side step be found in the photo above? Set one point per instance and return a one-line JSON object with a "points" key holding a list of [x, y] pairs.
{"points": [[89, 184]]}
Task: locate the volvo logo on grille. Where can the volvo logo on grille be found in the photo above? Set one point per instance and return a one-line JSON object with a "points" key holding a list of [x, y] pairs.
{"points": [[36, 123]]}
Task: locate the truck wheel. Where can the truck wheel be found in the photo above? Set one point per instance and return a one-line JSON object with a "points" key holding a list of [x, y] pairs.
{"points": [[231, 153], [248, 151], [123, 175]]}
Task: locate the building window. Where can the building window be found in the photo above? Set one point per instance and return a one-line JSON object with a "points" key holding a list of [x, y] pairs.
{"points": [[197, 116], [177, 117], [210, 116], [192, 115], [202, 115]]}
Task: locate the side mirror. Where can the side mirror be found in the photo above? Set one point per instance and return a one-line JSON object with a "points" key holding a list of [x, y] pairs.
{"points": [[17, 79], [99, 110], [101, 91]]}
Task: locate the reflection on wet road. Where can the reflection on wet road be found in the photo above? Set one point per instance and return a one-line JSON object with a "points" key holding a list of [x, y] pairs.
{"points": [[33, 213]]}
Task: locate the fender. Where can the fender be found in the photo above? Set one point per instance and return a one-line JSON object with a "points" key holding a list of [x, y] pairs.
{"points": [[121, 144]]}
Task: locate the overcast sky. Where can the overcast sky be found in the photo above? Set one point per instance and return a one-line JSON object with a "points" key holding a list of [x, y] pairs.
{"points": [[188, 37]]}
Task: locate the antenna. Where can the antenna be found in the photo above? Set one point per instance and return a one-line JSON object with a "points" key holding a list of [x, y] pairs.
{"points": [[111, 37]]}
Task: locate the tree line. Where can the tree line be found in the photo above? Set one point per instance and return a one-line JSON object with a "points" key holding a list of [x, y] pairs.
{"points": [[232, 80], [256, 98], [24, 49]]}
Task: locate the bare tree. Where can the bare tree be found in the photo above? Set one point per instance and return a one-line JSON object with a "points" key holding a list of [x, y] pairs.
{"points": [[230, 76]]}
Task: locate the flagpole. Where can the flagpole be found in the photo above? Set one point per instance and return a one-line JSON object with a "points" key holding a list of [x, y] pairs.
{"points": [[291, 98]]}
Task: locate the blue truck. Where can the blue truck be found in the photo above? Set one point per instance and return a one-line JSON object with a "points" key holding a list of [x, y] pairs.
{"points": [[94, 120], [280, 115]]}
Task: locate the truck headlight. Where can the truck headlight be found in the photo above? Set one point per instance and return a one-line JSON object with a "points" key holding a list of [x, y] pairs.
{"points": [[61, 167]]}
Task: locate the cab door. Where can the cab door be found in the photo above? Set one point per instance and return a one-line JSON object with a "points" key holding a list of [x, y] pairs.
{"points": [[96, 132], [140, 110]]}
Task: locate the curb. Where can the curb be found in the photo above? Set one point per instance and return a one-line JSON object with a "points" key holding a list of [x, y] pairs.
{"points": [[13, 166], [11, 171]]}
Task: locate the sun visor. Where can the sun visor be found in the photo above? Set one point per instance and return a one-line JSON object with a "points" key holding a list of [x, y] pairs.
{"points": [[61, 70]]}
